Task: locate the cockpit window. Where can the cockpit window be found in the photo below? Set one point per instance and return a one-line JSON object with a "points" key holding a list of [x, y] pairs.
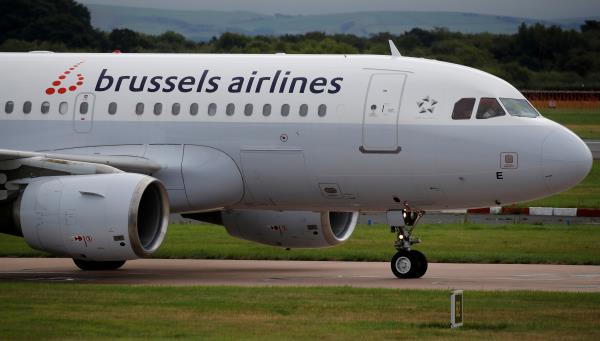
{"points": [[463, 109], [488, 108], [519, 107]]}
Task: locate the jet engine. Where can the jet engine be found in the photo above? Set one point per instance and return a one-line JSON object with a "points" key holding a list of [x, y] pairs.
{"points": [[97, 218], [291, 229]]}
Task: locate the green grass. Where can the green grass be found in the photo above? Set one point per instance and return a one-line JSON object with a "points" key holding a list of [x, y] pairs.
{"points": [[585, 194], [583, 122], [57, 311], [575, 244]]}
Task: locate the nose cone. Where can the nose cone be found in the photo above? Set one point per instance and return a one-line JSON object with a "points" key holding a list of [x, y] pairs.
{"points": [[566, 160]]}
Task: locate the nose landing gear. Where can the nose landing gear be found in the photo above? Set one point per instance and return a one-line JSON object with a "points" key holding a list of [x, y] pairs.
{"points": [[406, 263]]}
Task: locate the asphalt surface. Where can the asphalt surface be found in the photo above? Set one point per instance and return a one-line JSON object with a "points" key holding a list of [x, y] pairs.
{"points": [[308, 273]]}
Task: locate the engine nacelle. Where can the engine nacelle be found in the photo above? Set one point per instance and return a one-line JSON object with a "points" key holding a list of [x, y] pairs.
{"points": [[100, 217], [291, 229]]}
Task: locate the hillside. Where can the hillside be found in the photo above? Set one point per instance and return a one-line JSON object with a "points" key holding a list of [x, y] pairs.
{"points": [[203, 25]]}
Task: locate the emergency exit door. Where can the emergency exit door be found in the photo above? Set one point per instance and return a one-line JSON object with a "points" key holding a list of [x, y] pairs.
{"points": [[382, 106], [83, 113]]}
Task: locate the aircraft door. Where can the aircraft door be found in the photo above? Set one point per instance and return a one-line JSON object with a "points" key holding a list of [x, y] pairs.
{"points": [[83, 113], [382, 106]]}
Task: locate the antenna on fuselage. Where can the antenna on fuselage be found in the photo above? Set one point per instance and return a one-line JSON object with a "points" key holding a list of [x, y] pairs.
{"points": [[394, 49]]}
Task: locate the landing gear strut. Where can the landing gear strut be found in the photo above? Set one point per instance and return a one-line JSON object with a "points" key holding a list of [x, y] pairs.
{"points": [[406, 263]]}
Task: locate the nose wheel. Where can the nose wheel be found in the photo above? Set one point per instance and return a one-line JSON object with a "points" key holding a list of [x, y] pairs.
{"points": [[409, 264], [406, 263]]}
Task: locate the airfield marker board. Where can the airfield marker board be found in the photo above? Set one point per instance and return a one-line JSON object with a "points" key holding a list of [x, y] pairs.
{"points": [[456, 309]]}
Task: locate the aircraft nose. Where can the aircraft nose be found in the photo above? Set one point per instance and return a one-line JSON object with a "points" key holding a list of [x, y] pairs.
{"points": [[566, 160]]}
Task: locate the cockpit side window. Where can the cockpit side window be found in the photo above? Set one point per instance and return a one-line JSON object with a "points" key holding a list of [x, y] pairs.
{"points": [[488, 108], [519, 107], [463, 109]]}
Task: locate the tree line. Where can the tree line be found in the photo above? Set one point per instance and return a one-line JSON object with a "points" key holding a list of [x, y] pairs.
{"points": [[535, 57]]}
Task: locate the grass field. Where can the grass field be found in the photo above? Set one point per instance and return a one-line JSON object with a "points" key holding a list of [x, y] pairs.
{"points": [[575, 244], [585, 194], [583, 122], [57, 311]]}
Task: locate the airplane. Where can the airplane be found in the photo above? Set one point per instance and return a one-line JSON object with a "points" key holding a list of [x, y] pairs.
{"points": [[283, 150]]}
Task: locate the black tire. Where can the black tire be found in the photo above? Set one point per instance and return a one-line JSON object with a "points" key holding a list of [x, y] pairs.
{"points": [[421, 264], [90, 265], [403, 264]]}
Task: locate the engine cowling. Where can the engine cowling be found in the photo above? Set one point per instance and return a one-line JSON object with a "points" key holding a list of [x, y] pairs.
{"points": [[100, 217], [291, 229]]}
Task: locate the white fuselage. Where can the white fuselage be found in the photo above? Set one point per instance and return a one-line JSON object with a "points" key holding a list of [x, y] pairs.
{"points": [[358, 133]]}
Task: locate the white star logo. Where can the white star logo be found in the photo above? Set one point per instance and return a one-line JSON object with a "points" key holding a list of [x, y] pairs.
{"points": [[427, 104]]}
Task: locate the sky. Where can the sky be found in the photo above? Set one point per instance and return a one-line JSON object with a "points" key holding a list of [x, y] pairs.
{"points": [[537, 9]]}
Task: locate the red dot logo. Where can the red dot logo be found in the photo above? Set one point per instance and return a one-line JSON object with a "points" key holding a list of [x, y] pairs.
{"points": [[61, 84]]}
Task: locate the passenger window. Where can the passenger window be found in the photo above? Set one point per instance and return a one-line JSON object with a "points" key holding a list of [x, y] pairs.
{"points": [[212, 109], [63, 107], [266, 109], [83, 108], [248, 109], [175, 109], [157, 109], [463, 109], [112, 108], [488, 108], [303, 111], [139, 108], [230, 109], [27, 107], [194, 109], [285, 110], [45, 107], [322, 111], [9, 107]]}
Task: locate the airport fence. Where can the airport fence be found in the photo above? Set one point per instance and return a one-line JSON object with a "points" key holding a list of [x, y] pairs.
{"points": [[543, 99]]}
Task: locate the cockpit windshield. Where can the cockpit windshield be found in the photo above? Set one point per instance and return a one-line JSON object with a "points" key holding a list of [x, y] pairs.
{"points": [[489, 108], [519, 107]]}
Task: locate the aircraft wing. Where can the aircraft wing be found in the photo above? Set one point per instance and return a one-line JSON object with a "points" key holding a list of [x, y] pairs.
{"points": [[19, 167]]}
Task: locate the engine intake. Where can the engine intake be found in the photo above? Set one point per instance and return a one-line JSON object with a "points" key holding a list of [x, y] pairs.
{"points": [[103, 217]]}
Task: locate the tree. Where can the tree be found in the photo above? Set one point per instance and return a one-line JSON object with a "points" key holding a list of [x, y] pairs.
{"points": [[125, 40], [59, 21]]}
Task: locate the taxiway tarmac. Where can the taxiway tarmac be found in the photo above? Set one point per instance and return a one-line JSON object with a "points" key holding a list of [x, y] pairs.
{"points": [[309, 273]]}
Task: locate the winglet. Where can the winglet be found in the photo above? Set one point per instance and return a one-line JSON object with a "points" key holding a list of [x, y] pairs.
{"points": [[394, 49]]}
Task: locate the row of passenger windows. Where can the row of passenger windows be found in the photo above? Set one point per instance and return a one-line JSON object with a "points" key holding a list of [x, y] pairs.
{"points": [[175, 109], [63, 107], [230, 109], [490, 107], [463, 108]]}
